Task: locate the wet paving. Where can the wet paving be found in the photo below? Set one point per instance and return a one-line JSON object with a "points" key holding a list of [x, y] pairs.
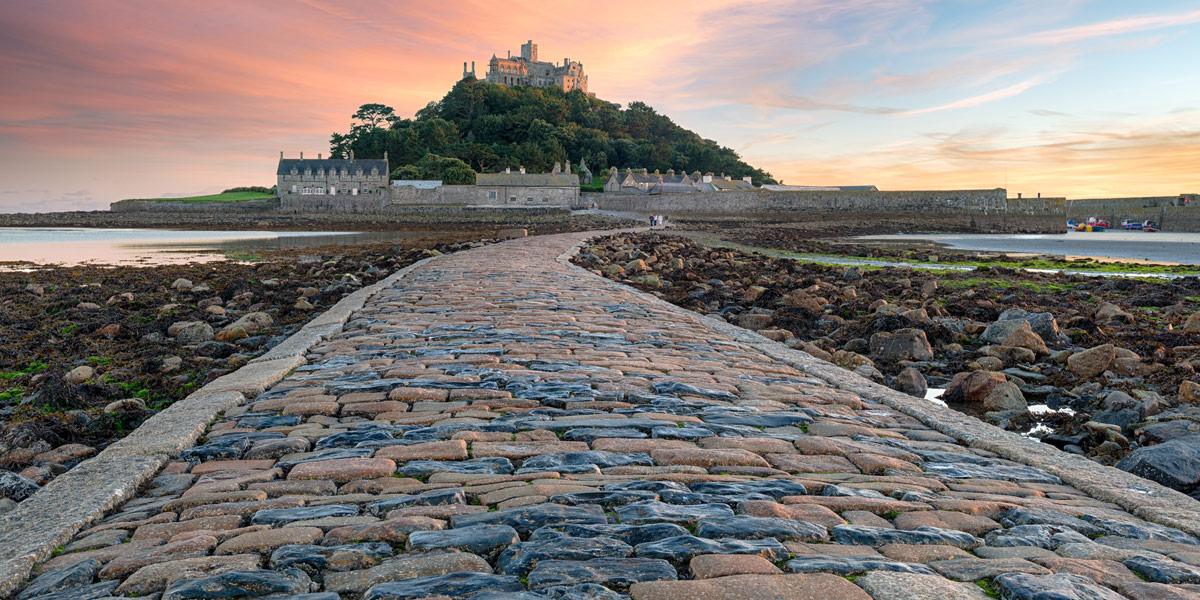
{"points": [[499, 425]]}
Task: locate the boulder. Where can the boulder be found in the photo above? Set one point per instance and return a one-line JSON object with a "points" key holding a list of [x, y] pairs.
{"points": [[903, 344], [911, 382], [1108, 312], [990, 391], [79, 374], [182, 285], [16, 487], [251, 322], [1042, 324], [1011, 355], [850, 360], [1091, 362], [1175, 464], [1192, 324], [754, 322], [1024, 337], [194, 332], [1189, 391]]}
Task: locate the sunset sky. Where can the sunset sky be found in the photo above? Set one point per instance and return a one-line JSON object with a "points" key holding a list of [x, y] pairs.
{"points": [[104, 100]]}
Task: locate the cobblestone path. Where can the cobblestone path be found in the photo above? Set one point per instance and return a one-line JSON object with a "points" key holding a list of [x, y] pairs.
{"points": [[501, 425]]}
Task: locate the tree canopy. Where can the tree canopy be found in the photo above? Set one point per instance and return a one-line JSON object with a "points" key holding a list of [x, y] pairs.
{"points": [[489, 127]]}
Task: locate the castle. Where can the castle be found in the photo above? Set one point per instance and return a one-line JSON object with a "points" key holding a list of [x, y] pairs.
{"points": [[526, 69]]}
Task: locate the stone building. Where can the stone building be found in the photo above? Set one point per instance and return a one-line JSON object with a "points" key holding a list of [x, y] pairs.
{"points": [[521, 189], [526, 69], [644, 182], [331, 177]]}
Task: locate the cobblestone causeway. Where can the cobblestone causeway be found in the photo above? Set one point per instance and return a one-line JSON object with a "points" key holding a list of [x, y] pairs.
{"points": [[499, 425]]}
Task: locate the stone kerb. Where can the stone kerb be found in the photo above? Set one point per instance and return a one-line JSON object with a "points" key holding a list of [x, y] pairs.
{"points": [[1142, 497], [49, 518]]}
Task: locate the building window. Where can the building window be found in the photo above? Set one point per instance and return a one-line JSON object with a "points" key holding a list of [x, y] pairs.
{"points": [[512, 199], [293, 188], [529, 200], [353, 191], [332, 190], [492, 195], [544, 199]]}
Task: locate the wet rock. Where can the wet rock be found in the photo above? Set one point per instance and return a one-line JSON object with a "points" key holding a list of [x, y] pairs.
{"points": [[604, 498], [659, 512], [681, 433], [628, 534], [1091, 362], [316, 559], [989, 391], [1049, 537], [421, 469], [853, 565], [283, 516], [520, 557], [744, 527], [1108, 312], [1160, 570], [525, 519], [95, 591], [240, 584], [79, 374], [758, 419], [77, 575], [964, 470], [864, 535], [251, 322], [124, 405], [683, 548], [16, 487], [1189, 391], [902, 344], [1024, 337], [1042, 324], [1021, 586], [614, 573], [485, 540], [1141, 530], [194, 332], [911, 382], [1042, 516], [182, 285], [454, 585], [434, 498], [1192, 324], [589, 434], [583, 462], [1175, 464], [775, 488]]}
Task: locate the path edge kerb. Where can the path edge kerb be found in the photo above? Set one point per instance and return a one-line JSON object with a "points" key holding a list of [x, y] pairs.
{"points": [[49, 518], [1144, 498]]}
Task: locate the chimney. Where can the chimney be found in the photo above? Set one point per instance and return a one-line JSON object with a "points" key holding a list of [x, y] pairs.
{"points": [[385, 156], [302, 156], [708, 178], [747, 180], [1039, 194], [1018, 195], [522, 169], [568, 168], [318, 156], [507, 170], [645, 171], [351, 156], [727, 178]]}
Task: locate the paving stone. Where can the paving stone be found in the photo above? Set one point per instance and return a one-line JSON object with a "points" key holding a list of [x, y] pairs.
{"points": [[76, 575], [800, 512], [485, 540], [681, 549], [651, 511], [344, 470], [708, 566], [976, 569], [752, 587], [1108, 573], [422, 469], [628, 534], [614, 573], [887, 585], [453, 585], [283, 516], [315, 560], [516, 450], [878, 536], [265, 541], [525, 519], [946, 519], [94, 591], [519, 558], [1158, 570], [407, 567], [709, 458], [852, 565], [431, 498], [743, 527], [240, 584], [918, 553], [445, 450], [1021, 586]]}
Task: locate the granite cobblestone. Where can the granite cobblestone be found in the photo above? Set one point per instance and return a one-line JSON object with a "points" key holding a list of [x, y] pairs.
{"points": [[500, 424]]}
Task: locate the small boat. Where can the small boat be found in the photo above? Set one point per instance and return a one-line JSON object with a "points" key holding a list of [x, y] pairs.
{"points": [[1147, 226], [1092, 224]]}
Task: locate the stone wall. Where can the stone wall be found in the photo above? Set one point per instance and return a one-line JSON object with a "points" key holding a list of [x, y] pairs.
{"points": [[1168, 211], [979, 210], [193, 207], [406, 198]]}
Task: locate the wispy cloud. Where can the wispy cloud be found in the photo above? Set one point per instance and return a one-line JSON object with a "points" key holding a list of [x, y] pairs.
{"points": [[1113, 27], [979, 99]]}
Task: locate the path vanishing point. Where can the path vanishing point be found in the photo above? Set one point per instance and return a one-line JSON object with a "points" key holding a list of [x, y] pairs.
{"points": [[499, 424]]}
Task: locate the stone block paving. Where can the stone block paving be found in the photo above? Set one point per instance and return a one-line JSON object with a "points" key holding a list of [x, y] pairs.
{"points": [[500, 425]]}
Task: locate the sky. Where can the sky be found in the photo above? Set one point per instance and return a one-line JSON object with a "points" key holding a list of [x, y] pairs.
{"points": [[104, 100]]}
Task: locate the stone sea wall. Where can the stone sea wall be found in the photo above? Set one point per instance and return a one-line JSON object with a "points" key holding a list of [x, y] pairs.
{"points": [[983, 210], [193, 207], [1168, 211]]}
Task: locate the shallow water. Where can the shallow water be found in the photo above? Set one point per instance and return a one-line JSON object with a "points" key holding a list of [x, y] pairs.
{"points": [[147, 247], [1164, 246]]}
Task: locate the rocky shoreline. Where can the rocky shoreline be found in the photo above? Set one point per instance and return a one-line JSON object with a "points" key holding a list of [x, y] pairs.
{"points": [[92, 351], [1109, 364]]}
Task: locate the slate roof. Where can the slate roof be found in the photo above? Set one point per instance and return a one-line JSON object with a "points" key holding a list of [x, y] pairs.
{"points": [[286, 164], [528, 179]]}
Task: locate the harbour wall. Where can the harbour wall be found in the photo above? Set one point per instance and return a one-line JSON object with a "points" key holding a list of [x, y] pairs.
{"points": [[1171, 213], [193, 207], [969, 210]]}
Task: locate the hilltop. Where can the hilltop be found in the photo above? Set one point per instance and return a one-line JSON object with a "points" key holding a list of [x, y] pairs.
{"points": [[489, 127]]}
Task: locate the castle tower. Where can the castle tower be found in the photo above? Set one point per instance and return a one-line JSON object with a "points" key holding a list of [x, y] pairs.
{"points": [[529, 51]]}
